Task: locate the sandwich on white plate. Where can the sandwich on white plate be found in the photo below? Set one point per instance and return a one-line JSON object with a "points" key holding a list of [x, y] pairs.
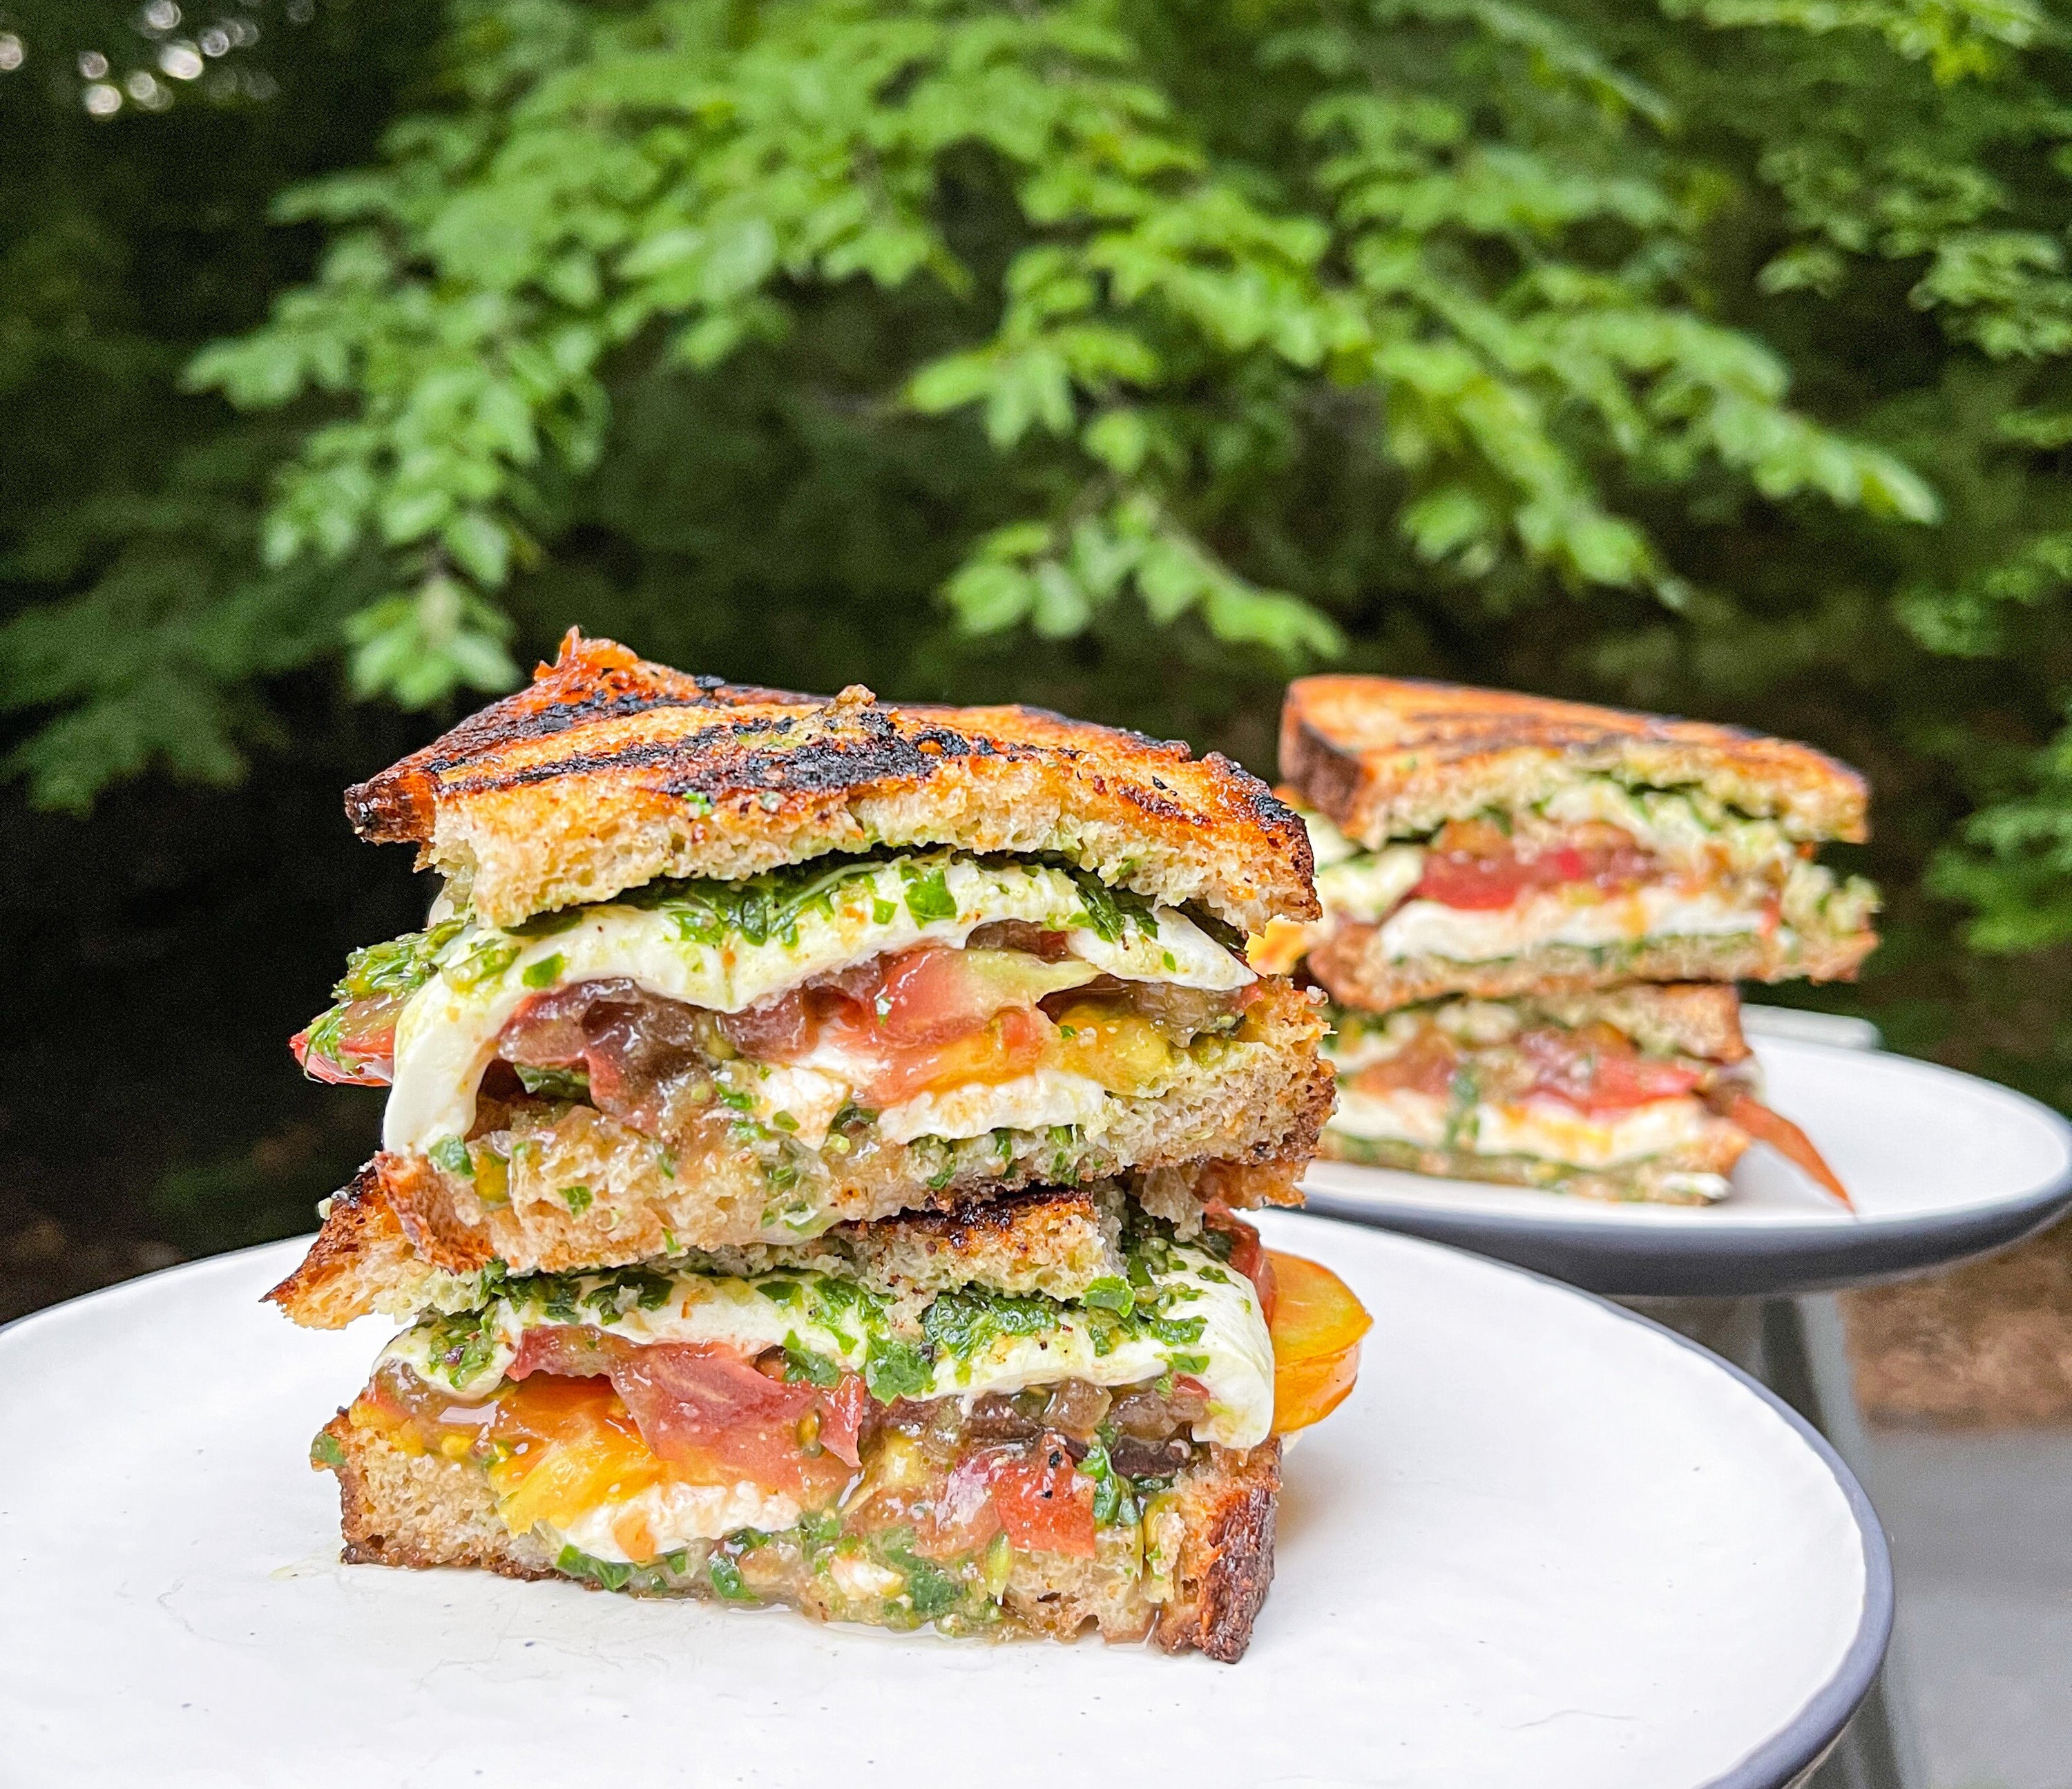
{"points": [[815, 1133]]}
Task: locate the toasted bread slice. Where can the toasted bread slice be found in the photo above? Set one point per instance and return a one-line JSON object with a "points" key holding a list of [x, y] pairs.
{"points": [[423, 1510], [402, 1224], [1690, 1019], [1691, 1176], [609, 772], [1389, 757], [1352, 966]]}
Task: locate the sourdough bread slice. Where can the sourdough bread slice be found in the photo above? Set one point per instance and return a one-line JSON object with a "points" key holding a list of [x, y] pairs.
{"points": [[609, 772], [422, 1510], [1389, 757]]}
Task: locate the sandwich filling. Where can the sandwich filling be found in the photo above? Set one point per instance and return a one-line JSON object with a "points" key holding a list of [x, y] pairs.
{"points": [[1549, 1092], [810, 1018], [1597, 865], [802, 1436]]}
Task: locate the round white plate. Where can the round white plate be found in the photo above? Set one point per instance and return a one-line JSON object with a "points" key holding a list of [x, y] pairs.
{"points": [[1544, 1543], [1941, 1166]]}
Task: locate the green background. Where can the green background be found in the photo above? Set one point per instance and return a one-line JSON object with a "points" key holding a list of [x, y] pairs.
{"points": [[1709, 357]]}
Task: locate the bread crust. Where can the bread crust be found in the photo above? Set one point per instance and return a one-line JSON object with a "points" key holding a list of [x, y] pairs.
{"points": [[420, 1512], [1715, 1153], [609, 771], [1386, 758], [1355, 971]]}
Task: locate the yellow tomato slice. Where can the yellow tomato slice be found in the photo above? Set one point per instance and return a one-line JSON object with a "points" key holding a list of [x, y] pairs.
{"points": [[1317, 1326], [576, 1476]]}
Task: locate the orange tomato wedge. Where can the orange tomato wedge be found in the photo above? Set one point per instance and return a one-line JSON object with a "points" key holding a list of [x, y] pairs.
{"points": [[1317, 1326]]}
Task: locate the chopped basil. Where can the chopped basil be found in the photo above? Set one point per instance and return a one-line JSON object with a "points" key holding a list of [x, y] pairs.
{"points": [[928, 897], [451, 1154], [725, 1577], [802, 1365], [326, 1450], [548, 971], [578, 1197], [555, 1084]]}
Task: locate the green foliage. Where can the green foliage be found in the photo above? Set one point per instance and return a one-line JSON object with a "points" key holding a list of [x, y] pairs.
{"points": [[1121, 356]]}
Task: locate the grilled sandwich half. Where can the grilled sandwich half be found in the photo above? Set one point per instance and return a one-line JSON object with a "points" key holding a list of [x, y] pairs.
{"points": [[1644, 1091], [1039, 1415], [716, 967], [1480, 842]]}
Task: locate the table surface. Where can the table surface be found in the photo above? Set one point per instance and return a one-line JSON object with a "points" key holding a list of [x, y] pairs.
{"points": [[1544, 1542]]}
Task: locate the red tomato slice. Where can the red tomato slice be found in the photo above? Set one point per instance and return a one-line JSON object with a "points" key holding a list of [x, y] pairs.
{"points": [[1595, 1069], [705, 1410], [1044, 1503], [1426, 1064], [362, 1050], [1495, 872]]}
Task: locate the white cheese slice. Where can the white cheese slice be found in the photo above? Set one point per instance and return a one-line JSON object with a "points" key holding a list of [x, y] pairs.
{"points": [[1552, 1131], [674, 1514], [446, 1035], [750, 1315], [1030, 1102], [1548, 1130], [1400, 1116], [1577, 913]]}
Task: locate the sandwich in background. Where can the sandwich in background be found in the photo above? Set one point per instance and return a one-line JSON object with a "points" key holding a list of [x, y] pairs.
{"points": [[810, 1167], [1533, 914]]}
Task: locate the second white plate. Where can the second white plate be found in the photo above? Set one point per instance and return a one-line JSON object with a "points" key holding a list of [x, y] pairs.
{"points": [[1543, 1543]]}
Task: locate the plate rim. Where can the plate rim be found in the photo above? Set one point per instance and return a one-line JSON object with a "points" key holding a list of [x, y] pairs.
{"points": [[1778, 1761], [1775, 1761], [1803, 1256]]}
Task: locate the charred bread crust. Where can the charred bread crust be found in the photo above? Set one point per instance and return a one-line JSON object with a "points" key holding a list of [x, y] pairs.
{"points": [[1394, 756], [420, 1511], [1355, 971], [609, 772], [1227, 1561], [361, 1261]]}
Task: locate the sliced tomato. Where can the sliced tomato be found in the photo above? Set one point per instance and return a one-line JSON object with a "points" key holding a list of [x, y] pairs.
{"points": [[1316, 1327], [352, 1046], [1426, 1064], [1788, 1140], [1596, 1068], [1249, 1256], [1044, 1503], [1010, 1044], [1473, 865], [710, 1415]]}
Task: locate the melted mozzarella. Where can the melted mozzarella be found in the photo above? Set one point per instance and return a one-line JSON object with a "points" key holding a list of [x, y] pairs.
{"points": [[673, 1514], [1577, 915], [1548, 1130], [1030, 1102], [750, 1315], [446, 1036], [1400, 1116], [1555, 1131]]}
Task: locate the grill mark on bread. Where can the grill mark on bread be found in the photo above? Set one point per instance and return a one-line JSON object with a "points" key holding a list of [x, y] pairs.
{"points": [[1392, 757], [576, 789]]}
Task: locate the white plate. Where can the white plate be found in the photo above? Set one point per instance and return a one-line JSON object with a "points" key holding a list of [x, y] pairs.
{"points": [[1940, 1165], [1543, 1543]]}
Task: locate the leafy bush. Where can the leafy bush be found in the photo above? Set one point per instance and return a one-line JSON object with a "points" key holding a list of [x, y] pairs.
{"points": [[1119, 355]]}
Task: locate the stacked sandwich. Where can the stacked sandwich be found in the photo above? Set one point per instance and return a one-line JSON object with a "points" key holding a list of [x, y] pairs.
{"points": [[1534, 913], [809, 1171]]}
